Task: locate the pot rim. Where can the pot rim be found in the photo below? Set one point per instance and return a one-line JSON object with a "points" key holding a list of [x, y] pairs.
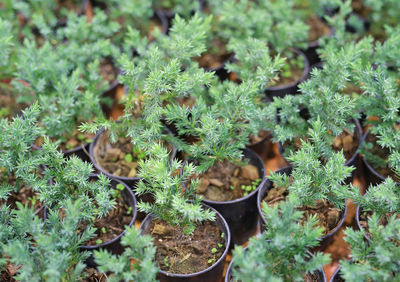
{"points": [[223, 256], [110, 175], [242, 199], [134, 214], [302, 78]]}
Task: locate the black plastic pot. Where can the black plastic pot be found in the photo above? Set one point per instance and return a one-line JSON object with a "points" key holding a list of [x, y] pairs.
{"points": [[130, 181], [220, 70], [81, 152], [212, 273], [311, 51], [336, 276], [325, 240], [242, 214], [291, 88], [371, 175], [319, 273], [114, 245], [263, 145], [353, 160]]}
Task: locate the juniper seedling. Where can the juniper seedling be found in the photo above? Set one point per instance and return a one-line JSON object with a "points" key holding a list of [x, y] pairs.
{"points": [[375, 259], [68, 179], [317, 173], [136, 263], [281, 253], [163, 74], [50, 251], [159, 178]]}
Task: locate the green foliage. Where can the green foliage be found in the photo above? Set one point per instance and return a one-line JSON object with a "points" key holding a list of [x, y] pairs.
{"points": [[173, 202], [383, 13], [6, 45], [382, 198], [17, 157], [136, 263], [281, 253], [49, 251], [179, 7], [274, 22], [375, 259], [67, 179], [318, 174], [163, 74]]}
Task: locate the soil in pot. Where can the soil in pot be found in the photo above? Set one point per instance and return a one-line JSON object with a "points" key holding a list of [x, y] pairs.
{"points": [[9, 271], [318, 28], [226, 181], [108, 71], [92, 275], [113, 224], [9, 106], [76, 139], [377, 158], [186, 254], [291, 71], [311, 277], [215, 56], [119, 158], [25, 194], [328, 216]]}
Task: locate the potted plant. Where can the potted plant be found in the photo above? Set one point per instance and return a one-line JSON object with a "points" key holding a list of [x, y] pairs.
{"points": [[108, 205], [192, 239], [162, 74], [18, 163], [281, 252], [136, 263], [33, 250], [229, 174], [373, 259], [317, 185], [320, 99], [264, 20]]}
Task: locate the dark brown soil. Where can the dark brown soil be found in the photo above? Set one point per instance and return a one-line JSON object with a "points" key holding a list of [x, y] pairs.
{"points": [[77, 139], [215, 56], [114, 223], [352, 89], [359, 8], [185, 254], [108, 71], [25, 194], [295, 74], [261, 135], [311, 277], [318, 28], [9, 272], [348, 141], [112, 157], [223, 182], [8, 102], [382, 153], [328, 216], [92, 275]]}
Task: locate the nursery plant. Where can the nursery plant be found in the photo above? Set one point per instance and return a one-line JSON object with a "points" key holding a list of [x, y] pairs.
{"points": [[136, 263], [281, 252], [44, 251], [316, 183], [375, 259], [177, 216]]}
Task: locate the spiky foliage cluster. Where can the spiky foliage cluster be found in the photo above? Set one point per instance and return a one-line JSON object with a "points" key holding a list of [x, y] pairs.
{"points": [[173, 202], [45, 250], [17, 157], [382, 14], [314, 178], [274, 22], [6, 44], [374, 259], [163, 74], [281, 253], [136, 263]]}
